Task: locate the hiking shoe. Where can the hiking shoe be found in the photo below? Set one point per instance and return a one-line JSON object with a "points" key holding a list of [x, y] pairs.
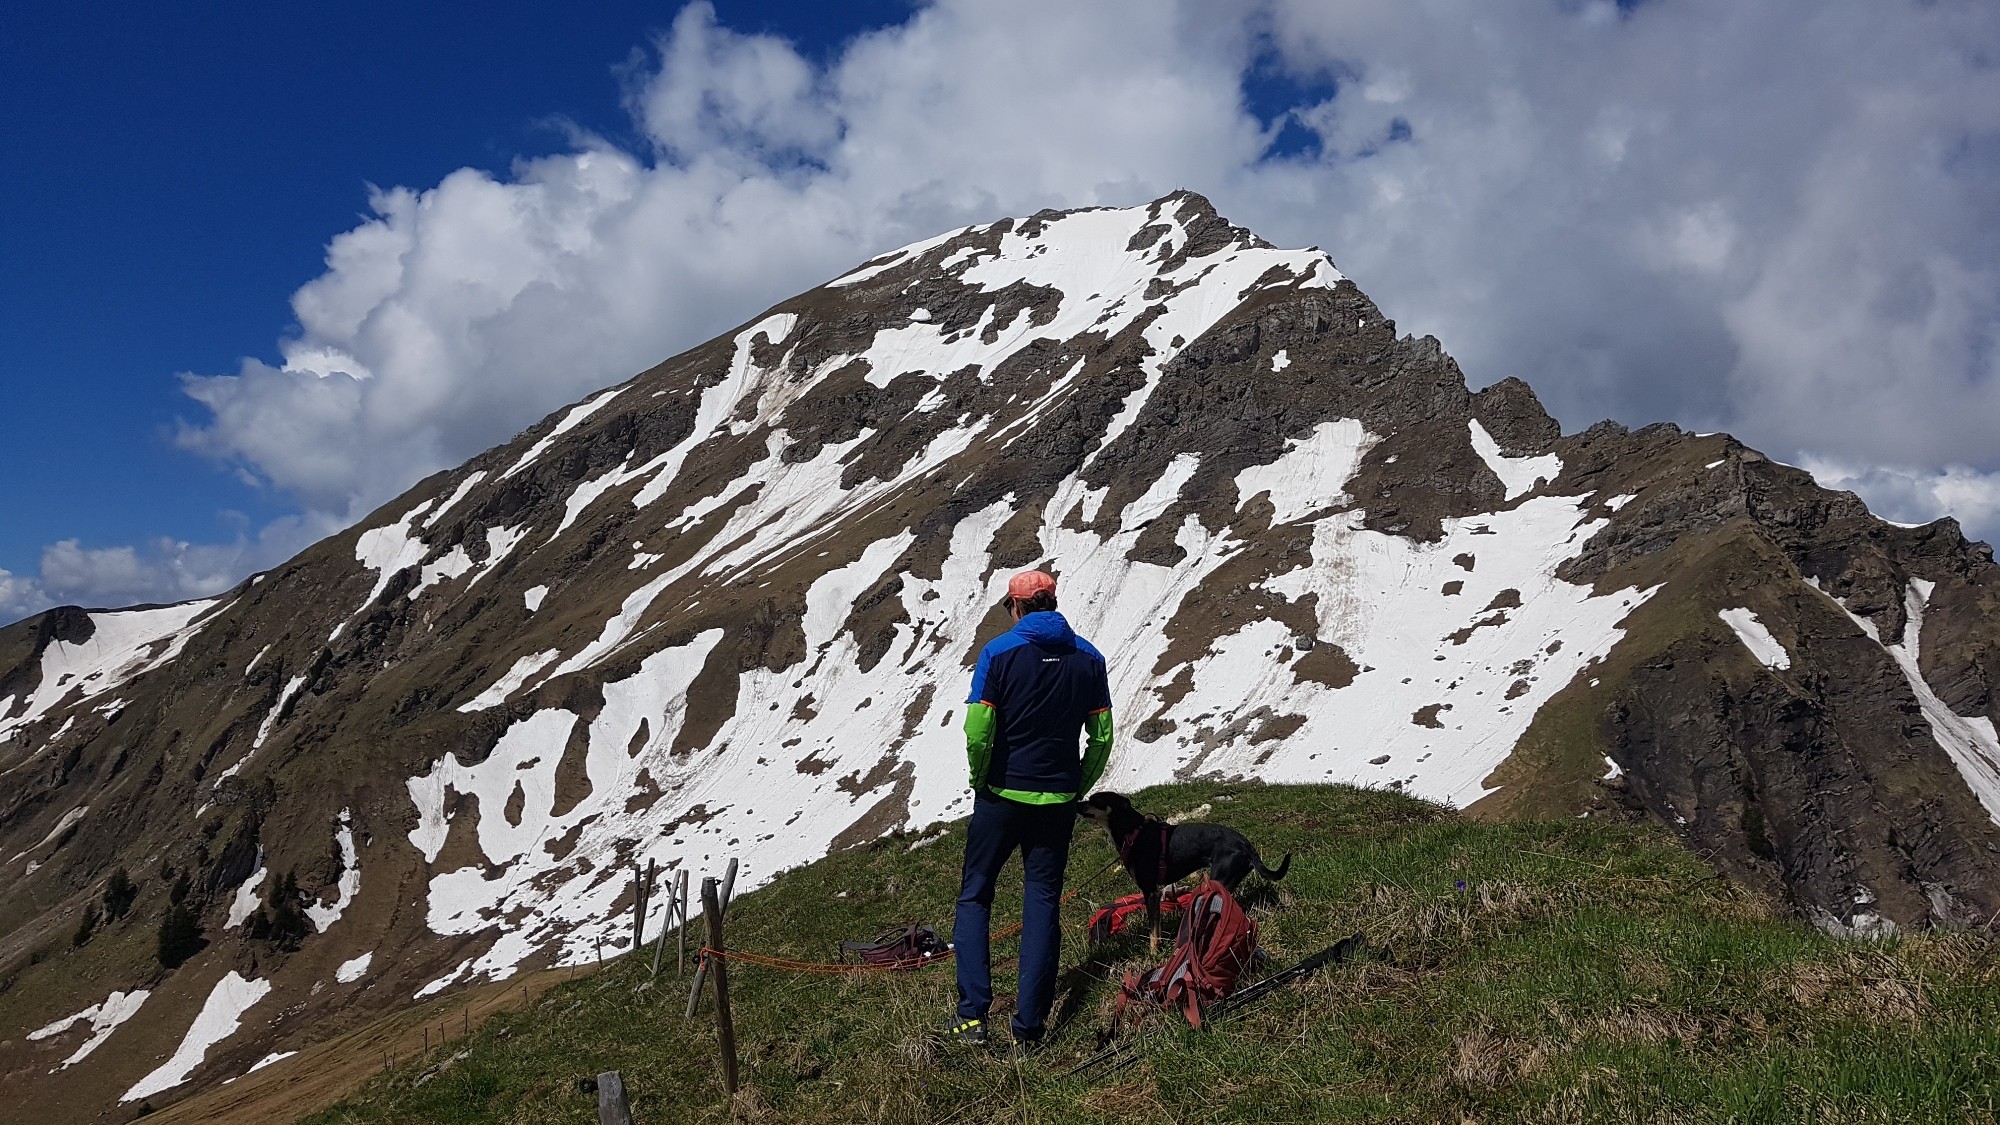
{"points": [[1024, 1049], [958, 1029]]}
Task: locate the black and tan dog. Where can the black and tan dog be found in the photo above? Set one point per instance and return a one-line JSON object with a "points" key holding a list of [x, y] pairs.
{"points": [[1157, 854]]}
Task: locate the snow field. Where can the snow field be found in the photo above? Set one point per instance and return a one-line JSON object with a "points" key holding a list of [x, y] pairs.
{"points": [[123, 644], [577, 415], [457, 494]]}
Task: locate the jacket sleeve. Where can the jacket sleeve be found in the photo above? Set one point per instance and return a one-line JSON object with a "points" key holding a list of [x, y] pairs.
{"points": [[979, 720], [1097, 729]]}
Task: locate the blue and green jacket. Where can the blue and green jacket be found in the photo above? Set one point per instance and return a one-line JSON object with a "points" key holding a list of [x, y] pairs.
{"points": [[1035, 689]]}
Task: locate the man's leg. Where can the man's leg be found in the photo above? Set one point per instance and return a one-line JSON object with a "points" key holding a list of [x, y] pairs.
{"points": [[1044, 856], [989, 839]]}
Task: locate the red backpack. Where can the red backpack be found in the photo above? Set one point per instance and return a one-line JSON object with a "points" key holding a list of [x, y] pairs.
{"points": [[1215, 943]]}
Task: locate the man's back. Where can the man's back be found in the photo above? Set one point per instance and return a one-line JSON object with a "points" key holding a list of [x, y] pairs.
{"points": [[1042, 682]]}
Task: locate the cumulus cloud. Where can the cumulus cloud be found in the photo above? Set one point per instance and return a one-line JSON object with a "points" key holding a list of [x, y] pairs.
{"points": [[164, 570], [1774, 219]]}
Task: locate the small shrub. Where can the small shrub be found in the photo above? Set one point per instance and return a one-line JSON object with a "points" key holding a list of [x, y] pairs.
{"points": [[119, 893], [180, 936], [281, 920], [86, 927]]}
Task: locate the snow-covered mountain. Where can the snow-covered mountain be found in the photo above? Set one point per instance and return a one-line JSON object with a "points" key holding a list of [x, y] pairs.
{"points": [[727, 609]]}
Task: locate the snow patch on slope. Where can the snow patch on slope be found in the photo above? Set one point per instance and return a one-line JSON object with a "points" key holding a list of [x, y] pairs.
{"points": [[105, 1017], [1421, 656], [349, 883], [1297, 481], [1971, 742], [562, 898], [1518, 475], [388, 551], [457, 494], [515, 676], [451, 564], [271, 720], [123, 645], [62, 824], [1757, 638], [248, 895], [570, 421], [716, 406], [219, 1018]]}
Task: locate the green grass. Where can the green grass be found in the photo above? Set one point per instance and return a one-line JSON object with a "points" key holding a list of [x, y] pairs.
{"points": [[1585, 971]]}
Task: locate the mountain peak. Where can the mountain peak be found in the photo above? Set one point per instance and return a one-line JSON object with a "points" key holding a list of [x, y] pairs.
{"points": [[724, 609]]}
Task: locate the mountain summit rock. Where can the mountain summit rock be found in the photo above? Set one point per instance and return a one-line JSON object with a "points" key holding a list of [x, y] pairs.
{"points": [[726, 609]]}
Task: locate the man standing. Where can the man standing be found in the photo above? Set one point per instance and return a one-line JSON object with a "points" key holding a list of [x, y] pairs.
{"points": [[1035, 689]]}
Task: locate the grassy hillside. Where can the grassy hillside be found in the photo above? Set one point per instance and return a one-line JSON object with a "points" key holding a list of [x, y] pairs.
{"points": [[1544, 971]]}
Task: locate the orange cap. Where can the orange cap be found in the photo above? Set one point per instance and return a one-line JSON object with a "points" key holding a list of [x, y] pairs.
{"points": [[1028, 583]]}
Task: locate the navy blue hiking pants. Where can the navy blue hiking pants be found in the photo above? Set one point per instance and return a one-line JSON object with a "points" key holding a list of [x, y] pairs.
{"points": [[1041, 832]]}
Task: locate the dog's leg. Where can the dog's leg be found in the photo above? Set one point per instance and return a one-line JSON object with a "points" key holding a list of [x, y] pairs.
{"points": [[1229, 870], [1153, 917]]}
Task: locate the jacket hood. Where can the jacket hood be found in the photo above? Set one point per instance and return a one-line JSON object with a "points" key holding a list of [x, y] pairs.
{"points": [[1046, 627]]}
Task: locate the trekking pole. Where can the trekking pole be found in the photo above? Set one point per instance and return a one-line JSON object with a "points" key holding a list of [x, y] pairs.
{"points": [[725, 1030]]}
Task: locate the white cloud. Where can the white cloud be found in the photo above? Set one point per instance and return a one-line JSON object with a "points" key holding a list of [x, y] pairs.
{"points": [[164, 570], [1909, 495], [1767, 218]]}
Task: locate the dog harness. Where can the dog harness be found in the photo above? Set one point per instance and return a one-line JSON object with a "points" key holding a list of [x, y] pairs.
{"points": [[1131, 842]]}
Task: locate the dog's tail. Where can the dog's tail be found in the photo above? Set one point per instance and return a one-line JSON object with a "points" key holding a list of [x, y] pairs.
{"points": [[1278, 872]]}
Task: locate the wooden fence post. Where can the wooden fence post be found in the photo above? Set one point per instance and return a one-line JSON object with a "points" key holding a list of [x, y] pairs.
{"points": [[666, 923], [612, 1108], [681, 958], [725, 1030], [722, 904], [639, 888]]}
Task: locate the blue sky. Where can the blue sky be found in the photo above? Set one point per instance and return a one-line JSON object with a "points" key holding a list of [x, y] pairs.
{"points": [[175, 172], [1724, 215]]}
